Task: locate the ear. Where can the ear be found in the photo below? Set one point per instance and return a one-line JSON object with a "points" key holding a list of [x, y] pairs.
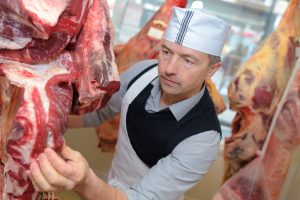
{"points": [[213, 69]]}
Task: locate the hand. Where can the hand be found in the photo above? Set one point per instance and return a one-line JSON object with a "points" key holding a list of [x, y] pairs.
{"points": [[52, 173]]}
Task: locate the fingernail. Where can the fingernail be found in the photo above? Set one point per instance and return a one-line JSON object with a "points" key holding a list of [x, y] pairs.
{"points": [[33, 166], [28, 173], [41, 156], [48, 150]]}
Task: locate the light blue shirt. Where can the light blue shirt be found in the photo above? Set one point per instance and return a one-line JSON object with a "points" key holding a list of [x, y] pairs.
{"points": [[188, 162]]}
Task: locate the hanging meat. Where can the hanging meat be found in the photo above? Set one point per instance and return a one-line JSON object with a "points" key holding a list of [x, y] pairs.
{"points": [[63, 30], [264, 176], [36, 99], [45, 100], [95, 59], [145, 45], [255, 92], [6, 93], [23, 20]]}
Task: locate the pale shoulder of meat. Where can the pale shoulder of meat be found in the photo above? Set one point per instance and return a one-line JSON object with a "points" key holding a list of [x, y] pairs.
{"points": [[261, 80], [257, 89], [263, 177]]}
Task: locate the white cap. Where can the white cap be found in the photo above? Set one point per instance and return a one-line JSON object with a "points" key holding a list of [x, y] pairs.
{"points": [[198, 30]]}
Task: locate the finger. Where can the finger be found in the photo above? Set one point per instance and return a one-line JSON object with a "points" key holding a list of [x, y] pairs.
{"points": [[56, 180], [69, 153], [67, 167], [38, 178], [60, 165], [36, 187]]}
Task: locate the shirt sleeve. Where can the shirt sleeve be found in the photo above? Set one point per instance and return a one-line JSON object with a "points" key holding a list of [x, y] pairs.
{"points": [[180, 171], [113, 106]]}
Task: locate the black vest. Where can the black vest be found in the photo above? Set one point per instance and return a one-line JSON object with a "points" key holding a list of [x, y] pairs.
{"points": [[154, 135]]}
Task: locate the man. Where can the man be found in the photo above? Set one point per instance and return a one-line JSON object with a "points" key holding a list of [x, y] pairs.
{"points": [[169, 132]]}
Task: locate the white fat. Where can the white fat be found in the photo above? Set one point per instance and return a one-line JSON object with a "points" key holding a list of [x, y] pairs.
{"points": [[42, 74], [10, 183], [48, 11], [17, 43]]}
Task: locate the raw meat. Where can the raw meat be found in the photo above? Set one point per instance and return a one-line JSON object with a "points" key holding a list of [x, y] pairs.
{"points": [[34, 110], [144, 45], [94, 56], [13, 35], [6, 93], [215, 96], [257, 88], [263, 177], [40, 121], [44, 50], [41, 15]]}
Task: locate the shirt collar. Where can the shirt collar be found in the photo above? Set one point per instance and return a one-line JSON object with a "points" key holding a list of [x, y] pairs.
{"points": [[180, 109]]}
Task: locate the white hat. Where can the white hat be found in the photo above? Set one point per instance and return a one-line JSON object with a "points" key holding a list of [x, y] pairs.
{"points": [[198, 30]]}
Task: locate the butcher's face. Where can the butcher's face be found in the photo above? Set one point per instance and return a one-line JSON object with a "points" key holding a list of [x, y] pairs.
{"points": [[182, 70]]}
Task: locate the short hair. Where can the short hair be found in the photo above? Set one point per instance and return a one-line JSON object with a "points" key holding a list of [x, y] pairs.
{"points": [[214, 60]]}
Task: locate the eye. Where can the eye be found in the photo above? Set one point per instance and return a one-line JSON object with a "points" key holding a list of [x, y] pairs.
{"points": [[165, 52], [189, 61]]}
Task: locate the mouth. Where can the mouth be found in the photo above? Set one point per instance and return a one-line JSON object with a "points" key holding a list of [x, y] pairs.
{"points": [[168, 81]]}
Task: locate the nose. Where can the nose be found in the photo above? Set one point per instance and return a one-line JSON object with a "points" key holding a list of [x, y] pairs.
{"points": [[172, 66]]}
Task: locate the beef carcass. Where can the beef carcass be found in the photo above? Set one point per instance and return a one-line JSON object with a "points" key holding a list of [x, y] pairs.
{"points": [[36, 116], [257, 88], [43, 50], [264, 176], [40, 120], [94, 56]]}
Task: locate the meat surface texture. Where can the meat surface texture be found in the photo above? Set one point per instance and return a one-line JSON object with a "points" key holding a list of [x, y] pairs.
{"points": [[255, 93], [56, 63], [264, 176], [43, 50], [257, 88], [95, 58], [6, 93], [13, 35], [40, 120], [41, 15]]}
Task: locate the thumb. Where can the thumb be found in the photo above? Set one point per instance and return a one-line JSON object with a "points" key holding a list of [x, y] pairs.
{"points": [[68, 153]]}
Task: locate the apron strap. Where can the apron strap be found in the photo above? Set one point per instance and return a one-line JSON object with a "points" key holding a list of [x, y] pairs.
{"points": [[137, 87]]}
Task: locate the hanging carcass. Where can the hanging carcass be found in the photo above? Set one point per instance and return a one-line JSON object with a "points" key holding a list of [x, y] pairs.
{"points": [[36, 99], [257, 88]]}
